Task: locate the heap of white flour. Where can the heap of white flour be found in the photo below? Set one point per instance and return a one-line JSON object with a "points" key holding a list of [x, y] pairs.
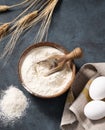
{"points": [[12, 104], [33, 74]]}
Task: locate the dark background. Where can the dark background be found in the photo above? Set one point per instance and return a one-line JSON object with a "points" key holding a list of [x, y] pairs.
{"points": [[74, 23]]}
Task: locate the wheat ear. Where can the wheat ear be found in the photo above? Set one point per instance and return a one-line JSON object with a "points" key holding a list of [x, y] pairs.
{"points": [[4, 29], [27, 18], [4, 8], [3, 26], [16, 34], [42, 17]]}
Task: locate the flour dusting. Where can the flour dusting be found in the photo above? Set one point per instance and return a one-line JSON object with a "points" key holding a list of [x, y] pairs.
{"points": [[12, 105]]}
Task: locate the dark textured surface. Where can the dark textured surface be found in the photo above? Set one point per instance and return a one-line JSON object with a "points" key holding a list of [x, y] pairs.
{"points": [[74, 23]]}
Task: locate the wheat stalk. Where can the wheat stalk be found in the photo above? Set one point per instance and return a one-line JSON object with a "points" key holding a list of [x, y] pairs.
{"points": [[19, 4], [17, 32], [14, 20], [43, 31], [34, 3], [4, 8], [42, 15], [45, 16]]}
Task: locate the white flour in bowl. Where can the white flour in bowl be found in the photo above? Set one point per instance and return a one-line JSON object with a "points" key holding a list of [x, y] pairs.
{"points": [[33, 77]]}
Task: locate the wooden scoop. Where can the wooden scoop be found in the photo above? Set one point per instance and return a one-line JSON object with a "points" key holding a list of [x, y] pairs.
{"points": [[57, 62]]}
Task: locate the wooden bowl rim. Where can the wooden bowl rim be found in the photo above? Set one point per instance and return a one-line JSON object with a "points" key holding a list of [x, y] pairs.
{"points": [[54, 45]]}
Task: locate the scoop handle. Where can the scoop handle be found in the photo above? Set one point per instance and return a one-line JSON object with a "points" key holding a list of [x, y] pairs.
{"points": [[76, 53]]}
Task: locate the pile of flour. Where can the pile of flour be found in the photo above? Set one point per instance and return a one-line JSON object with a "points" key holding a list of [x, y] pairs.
{"points": [[33, 74], [12, 104]]}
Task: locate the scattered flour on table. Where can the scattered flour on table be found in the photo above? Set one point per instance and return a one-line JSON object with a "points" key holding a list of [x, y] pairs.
{"points": [[33, 74], [13, 104]]}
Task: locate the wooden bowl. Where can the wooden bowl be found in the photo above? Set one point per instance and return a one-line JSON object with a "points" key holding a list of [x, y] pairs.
{"points": [[54, 45]]}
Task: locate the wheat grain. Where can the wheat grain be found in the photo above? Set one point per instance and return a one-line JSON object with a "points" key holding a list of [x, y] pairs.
{"points": [[3, 29], [4, 8], [27, 18]]}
